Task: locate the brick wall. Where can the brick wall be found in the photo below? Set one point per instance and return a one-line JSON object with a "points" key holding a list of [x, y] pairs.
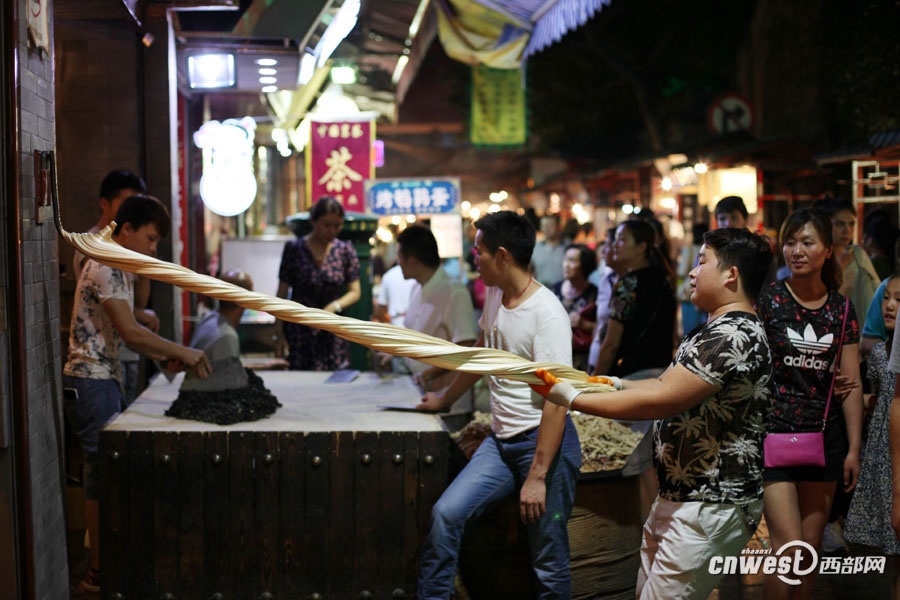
{"points": [[42, 363], [97, 109], [113, 113]]}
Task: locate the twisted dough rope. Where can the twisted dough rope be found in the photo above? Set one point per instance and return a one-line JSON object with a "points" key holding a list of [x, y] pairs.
{"points": [[379, 336]]}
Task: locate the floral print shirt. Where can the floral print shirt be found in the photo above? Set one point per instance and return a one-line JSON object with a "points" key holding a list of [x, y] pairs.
{"points": [[804, 348], [93, 338], [713, 452]]}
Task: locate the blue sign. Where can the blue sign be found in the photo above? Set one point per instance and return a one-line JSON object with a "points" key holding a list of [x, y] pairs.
{"points": [[412, 196]]}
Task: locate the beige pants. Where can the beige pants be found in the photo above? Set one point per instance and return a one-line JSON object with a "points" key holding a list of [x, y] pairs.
{"points": [[679, 540]]}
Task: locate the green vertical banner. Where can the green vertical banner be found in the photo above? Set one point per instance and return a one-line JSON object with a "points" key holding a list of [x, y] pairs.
{"points": [[498, 107]]}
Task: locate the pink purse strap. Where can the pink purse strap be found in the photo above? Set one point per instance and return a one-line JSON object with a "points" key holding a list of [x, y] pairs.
{"points": [[837, 360]]}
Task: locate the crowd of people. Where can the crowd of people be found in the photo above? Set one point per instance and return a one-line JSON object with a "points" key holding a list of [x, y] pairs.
{"points": [[760, 352]]}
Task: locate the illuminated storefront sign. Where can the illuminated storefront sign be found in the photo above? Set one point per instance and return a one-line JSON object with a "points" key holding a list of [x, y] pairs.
{"points": [[412, 196], [338, 159]]}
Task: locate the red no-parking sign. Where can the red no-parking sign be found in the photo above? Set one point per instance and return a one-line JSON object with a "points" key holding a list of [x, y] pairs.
{"points": [[729, 113]]}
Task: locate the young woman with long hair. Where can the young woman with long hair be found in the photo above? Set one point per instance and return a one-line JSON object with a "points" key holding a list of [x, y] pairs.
{"points": [[640, 332], [804, 318]]}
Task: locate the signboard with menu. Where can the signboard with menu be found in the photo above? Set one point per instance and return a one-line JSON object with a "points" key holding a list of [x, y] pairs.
{"points": [[407, 196], [339, 160]]}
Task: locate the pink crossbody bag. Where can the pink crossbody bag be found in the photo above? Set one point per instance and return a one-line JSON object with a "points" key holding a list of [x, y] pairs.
{"points": [[804, 449]]}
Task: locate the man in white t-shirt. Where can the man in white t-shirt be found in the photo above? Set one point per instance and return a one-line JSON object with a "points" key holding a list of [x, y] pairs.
{"points": [[438, 306], [393, 295], [533, 449]]}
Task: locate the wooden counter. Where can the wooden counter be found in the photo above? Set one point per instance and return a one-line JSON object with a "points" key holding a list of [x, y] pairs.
{"points": [[328, 498]]}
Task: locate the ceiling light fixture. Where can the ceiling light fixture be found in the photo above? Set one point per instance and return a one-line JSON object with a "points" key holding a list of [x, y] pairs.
{"points": [[209, 71], [267, 80], [266, 62], [268, 71], [268, 89]]}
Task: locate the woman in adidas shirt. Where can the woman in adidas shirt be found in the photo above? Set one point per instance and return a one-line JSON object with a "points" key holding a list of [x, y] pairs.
{"points": [[803, 316]]}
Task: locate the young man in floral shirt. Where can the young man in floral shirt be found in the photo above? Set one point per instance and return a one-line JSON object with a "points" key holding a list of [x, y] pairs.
{"points": [[102, 318], [711, 406]]}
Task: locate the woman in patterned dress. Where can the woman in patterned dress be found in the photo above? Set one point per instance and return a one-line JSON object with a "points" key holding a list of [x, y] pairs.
{"points": [[869, 519], [319, 271], [803, 316]]}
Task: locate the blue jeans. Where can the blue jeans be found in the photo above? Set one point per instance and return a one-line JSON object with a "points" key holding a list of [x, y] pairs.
{"points": [[497, 470], [88, 408]]}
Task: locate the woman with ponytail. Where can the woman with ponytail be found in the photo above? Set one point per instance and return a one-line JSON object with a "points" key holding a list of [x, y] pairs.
{"points": [[804, 317], [640, 331]]}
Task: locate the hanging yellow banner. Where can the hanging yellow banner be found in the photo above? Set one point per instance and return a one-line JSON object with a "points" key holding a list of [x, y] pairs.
{"points": [[498, 107]]}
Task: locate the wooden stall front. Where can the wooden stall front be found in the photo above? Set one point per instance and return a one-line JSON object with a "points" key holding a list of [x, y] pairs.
{"points": [[328, 498]]}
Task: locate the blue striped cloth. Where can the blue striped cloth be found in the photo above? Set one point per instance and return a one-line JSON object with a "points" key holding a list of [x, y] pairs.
{"points": [[555, 22]]}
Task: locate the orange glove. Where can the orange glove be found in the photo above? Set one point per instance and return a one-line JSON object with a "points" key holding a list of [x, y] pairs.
{"points": [[611, 381], [549, 380], [554, 389]]}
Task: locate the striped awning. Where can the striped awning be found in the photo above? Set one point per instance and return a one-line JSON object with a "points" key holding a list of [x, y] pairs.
{"points": [[548, 20]]}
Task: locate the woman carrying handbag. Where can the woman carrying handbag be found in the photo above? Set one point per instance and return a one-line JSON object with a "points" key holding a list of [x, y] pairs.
{"points": [[812, 329]]}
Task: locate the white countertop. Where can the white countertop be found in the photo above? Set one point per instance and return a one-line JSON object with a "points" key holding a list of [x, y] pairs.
{"points": [[309, 405]]}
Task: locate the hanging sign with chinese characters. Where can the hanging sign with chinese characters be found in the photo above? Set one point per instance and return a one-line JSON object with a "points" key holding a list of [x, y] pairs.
{"points": [[412, 196], [338, 160]]}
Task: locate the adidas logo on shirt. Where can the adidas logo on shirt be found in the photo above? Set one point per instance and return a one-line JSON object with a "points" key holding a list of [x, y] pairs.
{"points": [[811, 345]]}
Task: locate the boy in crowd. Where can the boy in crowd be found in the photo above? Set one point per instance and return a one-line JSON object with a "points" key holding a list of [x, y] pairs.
{"points": [[548, 254], [711, 406], [104, 317], [731, 212], [534, 449], [115, 187]]}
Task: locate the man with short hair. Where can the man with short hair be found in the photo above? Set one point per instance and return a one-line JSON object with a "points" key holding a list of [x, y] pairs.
{"points": [[548, 254], [393, 296], [104, 317], [711, 409], [438, 306], [533, 449], [216, 333], [731, 212]]}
